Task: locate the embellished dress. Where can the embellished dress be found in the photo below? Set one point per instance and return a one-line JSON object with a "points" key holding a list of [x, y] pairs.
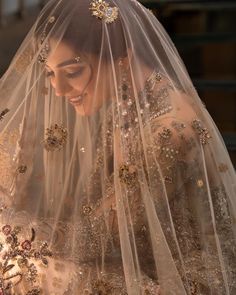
{"points": [[174, 137], [179, 180]]}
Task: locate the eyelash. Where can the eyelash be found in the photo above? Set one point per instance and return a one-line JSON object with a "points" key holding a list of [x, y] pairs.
{"points": [[75, 74], [69, 75]]}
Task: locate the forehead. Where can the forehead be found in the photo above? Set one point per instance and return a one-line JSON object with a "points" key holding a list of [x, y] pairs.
{"points": [[60, 52]]}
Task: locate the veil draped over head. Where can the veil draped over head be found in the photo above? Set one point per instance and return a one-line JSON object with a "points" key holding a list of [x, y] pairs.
{"points": [[114, 178]]}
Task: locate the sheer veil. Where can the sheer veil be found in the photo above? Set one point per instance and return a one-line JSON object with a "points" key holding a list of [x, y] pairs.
{"points": [[114, 179]]}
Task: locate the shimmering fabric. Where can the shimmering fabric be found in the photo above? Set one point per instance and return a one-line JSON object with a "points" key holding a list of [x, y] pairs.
{"points": [[110, 164]]}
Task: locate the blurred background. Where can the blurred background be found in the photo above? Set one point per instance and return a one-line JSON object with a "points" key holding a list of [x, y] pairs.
{"points": [[204, 32]]}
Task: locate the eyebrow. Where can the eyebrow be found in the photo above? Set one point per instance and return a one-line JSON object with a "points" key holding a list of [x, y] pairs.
{"points": [[67, 63]]}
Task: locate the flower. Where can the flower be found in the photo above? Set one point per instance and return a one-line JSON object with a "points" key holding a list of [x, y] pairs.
{"points": [[26, 245], [6, 229]]}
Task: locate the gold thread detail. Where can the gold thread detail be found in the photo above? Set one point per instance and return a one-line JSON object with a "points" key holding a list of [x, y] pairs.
{"points": [[56, 138], [102, 10]]}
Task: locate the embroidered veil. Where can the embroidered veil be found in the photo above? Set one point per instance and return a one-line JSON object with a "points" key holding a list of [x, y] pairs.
{"points": [[114, 178]]}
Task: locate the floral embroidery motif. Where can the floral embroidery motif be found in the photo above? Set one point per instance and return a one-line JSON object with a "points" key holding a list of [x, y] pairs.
{"points": [[87, 210], [155, 77], [165, 134], [202, 131], [155, 102], [223, 167], [200, 183], [18, 260], [128, 174], [102, 10], [56, 138]]}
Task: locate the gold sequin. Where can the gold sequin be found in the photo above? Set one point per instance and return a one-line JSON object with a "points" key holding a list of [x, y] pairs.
{"points": [[200, 183]]}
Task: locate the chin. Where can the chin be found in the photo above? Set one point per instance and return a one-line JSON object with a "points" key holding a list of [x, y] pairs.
{"points": [[83, 111]]}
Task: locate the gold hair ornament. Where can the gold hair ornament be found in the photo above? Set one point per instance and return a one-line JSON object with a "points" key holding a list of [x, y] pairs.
{"points": [[77, 58], [44, 52], [102, 10]]}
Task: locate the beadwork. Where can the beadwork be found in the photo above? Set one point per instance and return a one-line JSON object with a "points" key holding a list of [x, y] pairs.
{"points": [[56, 138], [18, 260], [202, 132], [102, 10], [127, 175]]}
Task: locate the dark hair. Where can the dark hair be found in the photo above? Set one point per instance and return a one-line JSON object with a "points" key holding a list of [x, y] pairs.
{"points": [[134, 22], [84, 32]]}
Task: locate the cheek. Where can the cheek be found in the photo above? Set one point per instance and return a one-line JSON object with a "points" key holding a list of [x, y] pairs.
{"points": [[75, 84]]}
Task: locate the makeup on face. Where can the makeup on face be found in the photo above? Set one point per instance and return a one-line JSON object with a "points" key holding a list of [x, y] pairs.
{"points": [[79, 78]]}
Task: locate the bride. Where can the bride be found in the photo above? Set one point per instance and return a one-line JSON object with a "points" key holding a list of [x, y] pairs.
{"points": [[114, 178]]}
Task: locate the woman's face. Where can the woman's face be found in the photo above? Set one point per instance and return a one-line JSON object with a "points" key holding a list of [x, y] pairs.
{"points": [[76, 78]]}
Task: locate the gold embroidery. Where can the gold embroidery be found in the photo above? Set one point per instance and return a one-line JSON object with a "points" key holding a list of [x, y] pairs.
{"points": [[8, 141], [202, 131], [18, 261], [87, 210], [128, 175], [200, 183], [102, 287], [223, 167], [102, 10], [24, 60], [56, 138], [165, 134]]}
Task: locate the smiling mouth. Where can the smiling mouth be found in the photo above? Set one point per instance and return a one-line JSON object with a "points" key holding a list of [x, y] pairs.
{"points": [[77, 100]]}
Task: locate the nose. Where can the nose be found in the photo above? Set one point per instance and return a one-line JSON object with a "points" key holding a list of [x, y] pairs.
{"points": [[61, 86]]}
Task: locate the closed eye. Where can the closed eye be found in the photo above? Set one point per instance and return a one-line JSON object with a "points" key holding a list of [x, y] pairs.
{"points": [[68, 74], [76, 73]]}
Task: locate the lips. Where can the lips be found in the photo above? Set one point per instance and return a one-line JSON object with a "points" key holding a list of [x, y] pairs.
{"points": [[76, 100]]}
